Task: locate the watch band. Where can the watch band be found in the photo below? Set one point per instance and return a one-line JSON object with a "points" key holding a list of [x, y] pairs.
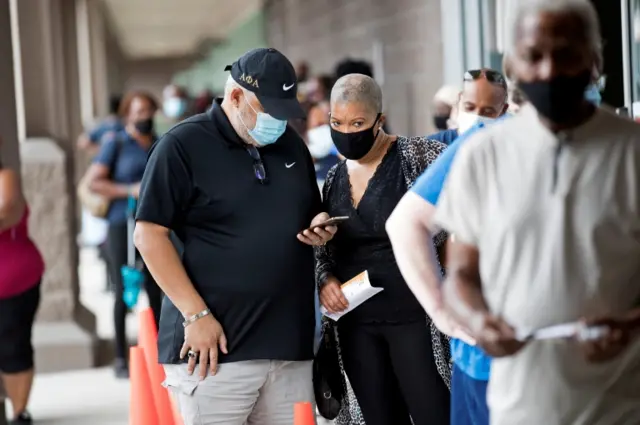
{"points": [[195, 317]]}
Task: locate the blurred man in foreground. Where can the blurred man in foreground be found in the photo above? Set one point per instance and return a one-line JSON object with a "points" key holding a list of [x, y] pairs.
{"points": [[544, 213]]}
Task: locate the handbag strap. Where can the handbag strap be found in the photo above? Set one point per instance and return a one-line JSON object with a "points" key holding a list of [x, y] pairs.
{"points": [[119, 140]]}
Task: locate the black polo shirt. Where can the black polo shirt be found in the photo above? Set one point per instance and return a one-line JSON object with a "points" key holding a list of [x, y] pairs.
{"points": [[239, 235]]}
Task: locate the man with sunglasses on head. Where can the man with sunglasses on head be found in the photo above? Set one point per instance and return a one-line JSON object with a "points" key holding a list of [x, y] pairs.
{"points": [[483, 98], [238, 187]]}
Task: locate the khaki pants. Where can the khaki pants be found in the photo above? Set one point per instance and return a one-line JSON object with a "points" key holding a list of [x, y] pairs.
{"points": [[256, 392]]}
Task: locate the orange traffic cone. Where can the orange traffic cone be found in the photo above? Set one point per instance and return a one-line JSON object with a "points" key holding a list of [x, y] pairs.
{"points": [[148, 339], [303, 414], [142, 410]]}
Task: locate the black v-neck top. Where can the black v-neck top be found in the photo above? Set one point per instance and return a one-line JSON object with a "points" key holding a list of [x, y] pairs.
{"points": [[362, 242]]}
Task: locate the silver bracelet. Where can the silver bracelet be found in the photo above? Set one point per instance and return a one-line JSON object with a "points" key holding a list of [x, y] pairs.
{"points": [[195, 317]]}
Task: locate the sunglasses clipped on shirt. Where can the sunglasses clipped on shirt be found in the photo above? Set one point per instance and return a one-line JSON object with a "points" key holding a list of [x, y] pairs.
{"points": [[494, 77], [258, 166]]}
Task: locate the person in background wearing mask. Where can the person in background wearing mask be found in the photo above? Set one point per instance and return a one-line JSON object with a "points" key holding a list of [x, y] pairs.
{"points": [[175, 108], [544, 209], [91, 140], [396, 362], [408, 228], [21, 270], [116, 174], [483, 98], [236, 185], [443, 103], [319, 140]]}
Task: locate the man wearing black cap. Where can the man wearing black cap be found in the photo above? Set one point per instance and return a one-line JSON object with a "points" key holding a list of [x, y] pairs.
{"points": [[237, 186]]}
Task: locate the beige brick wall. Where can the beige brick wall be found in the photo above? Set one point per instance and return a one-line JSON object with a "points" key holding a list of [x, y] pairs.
{"points": [[323, 32]]}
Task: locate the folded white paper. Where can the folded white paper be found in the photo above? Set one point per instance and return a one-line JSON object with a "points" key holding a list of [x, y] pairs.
{"points": [[356, 291], [564, 331]]}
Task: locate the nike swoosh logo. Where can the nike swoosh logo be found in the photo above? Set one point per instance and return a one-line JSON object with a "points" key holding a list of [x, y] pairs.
{"points": [[290, 165], [287, 88]]}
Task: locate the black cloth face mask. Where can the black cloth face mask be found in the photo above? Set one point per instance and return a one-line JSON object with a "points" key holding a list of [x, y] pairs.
{"points": [[441, 121], [144, 126], [355, 145], [559, 98]]}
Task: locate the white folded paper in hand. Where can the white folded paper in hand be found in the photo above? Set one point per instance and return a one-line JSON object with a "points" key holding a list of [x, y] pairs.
{"points": [[565, 331], [356, 291]]}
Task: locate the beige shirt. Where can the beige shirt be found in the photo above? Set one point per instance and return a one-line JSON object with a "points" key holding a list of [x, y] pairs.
{"points": [[557, 222]]}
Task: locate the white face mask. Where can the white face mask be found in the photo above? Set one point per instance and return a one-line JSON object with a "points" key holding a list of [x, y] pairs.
{"points": [[467, 120], [320, 142]]}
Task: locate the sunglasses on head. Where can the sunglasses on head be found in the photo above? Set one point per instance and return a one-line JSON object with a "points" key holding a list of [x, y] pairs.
{"points": [[492, 76]]}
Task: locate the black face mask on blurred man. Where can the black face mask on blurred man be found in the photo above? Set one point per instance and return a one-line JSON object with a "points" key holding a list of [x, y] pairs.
{"points": [[558, 98]]}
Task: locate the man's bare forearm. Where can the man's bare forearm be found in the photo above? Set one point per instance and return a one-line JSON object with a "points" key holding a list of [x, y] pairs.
{"points": [[462, 291], [415, 253], [162, 260]]}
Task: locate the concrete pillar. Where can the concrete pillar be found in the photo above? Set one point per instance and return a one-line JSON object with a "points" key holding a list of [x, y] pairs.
{"points": [[99, 60], [9, 152], [85, 67], [65, 331]]}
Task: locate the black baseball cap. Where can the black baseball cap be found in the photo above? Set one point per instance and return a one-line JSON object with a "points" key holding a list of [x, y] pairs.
{"points": [[269, 74]]}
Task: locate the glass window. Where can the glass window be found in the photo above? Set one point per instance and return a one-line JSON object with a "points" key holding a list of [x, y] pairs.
{"points": [[497, 21]]}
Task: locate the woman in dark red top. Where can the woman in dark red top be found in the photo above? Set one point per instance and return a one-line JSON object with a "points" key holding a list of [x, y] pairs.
{"points": [[21, 269]]}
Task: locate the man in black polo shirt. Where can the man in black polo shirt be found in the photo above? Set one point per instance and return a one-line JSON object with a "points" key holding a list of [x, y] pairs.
{"points": [[237, 186]]}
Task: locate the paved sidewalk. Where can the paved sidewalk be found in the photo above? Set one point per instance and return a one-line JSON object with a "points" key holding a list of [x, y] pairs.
{"points": [[79, 398], [88, 396]]}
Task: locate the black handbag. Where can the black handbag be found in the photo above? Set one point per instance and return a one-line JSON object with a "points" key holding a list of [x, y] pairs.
{"points": [[327, 377]]}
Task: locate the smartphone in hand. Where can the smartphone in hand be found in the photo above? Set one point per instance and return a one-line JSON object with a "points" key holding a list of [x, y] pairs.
{"points": [[333, 221]]}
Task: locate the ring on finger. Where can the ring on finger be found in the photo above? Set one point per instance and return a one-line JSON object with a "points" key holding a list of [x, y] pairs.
{"points": [[192, 354]]}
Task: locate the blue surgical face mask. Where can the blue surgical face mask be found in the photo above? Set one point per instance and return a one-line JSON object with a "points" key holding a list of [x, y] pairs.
{"points": [[267, 130], [174, 107], [592, 94]]}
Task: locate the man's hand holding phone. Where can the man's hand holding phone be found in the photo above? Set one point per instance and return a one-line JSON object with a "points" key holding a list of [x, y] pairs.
{"points": [[321, 230]]}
